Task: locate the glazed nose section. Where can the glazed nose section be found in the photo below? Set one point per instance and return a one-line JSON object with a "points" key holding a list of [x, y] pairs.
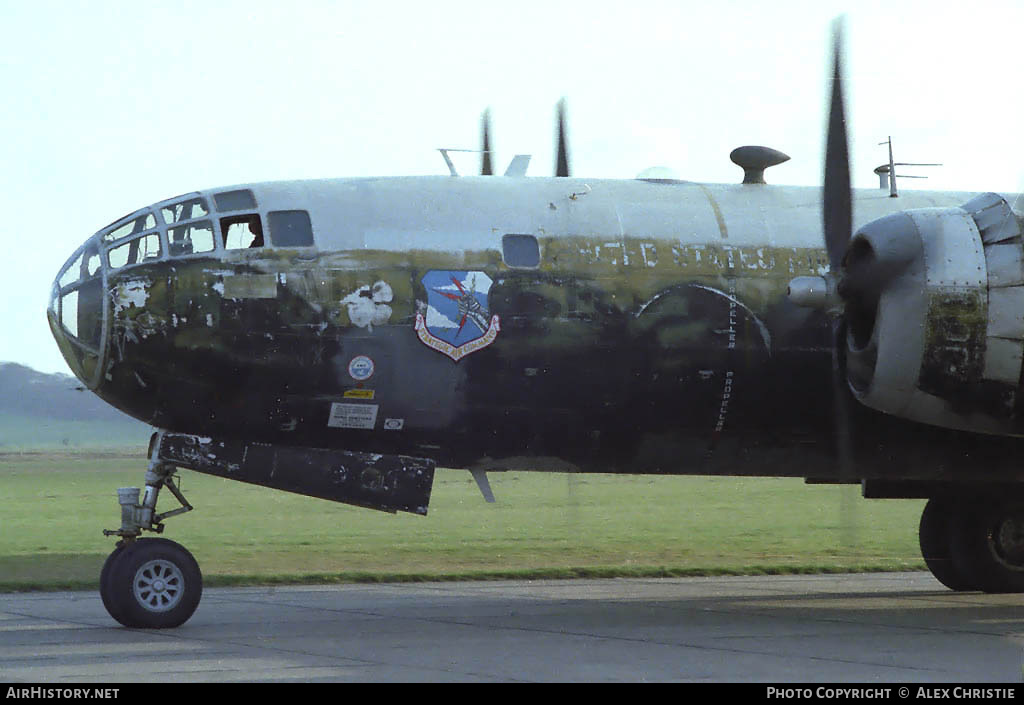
{"points": [[77, 313]]}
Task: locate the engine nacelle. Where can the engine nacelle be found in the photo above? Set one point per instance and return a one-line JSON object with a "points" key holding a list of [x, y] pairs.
{"points": [[935, 315]]}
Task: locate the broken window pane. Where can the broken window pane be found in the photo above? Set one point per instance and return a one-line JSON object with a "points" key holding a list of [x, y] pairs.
{"points": [[184, 210], [241, 231], [190, 239], [242, 200], [92, 260], [93, 265], [135, 251], [290, 228], [146, 221]]}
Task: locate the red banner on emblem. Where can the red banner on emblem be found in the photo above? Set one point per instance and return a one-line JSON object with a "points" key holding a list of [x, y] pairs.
{"points": [[456, 353]]}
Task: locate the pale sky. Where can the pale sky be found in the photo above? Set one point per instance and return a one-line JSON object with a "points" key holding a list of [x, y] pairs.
{"points": [[110, 106]]}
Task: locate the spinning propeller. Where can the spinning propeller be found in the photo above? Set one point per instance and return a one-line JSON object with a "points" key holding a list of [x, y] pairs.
{"points": [[561, 147], [562, 158], [485, 148]]}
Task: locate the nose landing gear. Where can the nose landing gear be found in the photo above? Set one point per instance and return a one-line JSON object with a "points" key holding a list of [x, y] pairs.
{"points": [[156, 584], [150, 583]]}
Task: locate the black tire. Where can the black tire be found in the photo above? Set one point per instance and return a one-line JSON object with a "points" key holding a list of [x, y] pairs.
{"points": [[987, 544], [154, 584], [934, 536], [105, 589]]}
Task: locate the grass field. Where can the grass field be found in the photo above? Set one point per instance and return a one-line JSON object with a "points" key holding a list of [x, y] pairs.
{"points": [[54, 506], [24, 433]]}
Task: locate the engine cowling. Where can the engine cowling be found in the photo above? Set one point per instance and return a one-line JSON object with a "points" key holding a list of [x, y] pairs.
{"points": [[934, 312]]}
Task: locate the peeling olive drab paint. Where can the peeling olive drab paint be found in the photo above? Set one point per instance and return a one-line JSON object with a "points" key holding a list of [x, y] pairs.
{"points": [[607, 343], [642, 342], [953, 366], [954, 341]]}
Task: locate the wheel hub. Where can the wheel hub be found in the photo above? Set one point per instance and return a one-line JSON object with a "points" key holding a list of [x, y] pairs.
{"points": [[158, 585], [1008, 541]]}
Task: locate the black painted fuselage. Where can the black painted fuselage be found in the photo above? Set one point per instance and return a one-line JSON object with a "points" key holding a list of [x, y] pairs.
{"points": [[495, 323]]}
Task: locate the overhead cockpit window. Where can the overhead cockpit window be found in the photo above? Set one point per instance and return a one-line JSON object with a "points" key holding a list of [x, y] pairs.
{"points": [[242, 200], [241, 231], [85, 266], [190, 239], [72, 274], [137, 251], [290, 228], [146, 221], [521, 251], [92, 264], [184, 210]]}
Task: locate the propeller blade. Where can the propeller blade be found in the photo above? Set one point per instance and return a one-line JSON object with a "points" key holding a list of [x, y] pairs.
{"points": [[842, 402], [837, 202], [837, 214], [485, 160], [562, 163]]}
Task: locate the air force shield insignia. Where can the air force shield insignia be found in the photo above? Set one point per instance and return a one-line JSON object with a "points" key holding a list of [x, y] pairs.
{"points": [[457, 321]]}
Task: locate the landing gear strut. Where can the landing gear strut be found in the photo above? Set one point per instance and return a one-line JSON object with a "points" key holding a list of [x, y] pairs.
{"points": [[975, 543], [150, 583], [155, 583]]}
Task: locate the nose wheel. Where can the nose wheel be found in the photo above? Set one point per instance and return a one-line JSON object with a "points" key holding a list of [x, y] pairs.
{"points": [[151, 583]]}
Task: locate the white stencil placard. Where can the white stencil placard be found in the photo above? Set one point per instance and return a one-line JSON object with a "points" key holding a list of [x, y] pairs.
{"points": [[353, 416]]}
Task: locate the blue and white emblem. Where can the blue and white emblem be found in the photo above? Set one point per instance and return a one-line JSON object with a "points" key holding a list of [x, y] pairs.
{"points": [[457, 320], [360, 368]]}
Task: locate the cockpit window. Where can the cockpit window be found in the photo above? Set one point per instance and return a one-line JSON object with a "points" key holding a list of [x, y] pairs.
{"points": [[72, 274], [242, 200], [184, 210], [69, 312], [190, 239], [85, 266], [92, 264], [141, 249], [146, 221], [290, 228], [241, 231]]}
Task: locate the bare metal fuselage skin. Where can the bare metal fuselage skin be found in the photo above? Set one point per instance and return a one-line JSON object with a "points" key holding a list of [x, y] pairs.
{"points": [[654, 335]]}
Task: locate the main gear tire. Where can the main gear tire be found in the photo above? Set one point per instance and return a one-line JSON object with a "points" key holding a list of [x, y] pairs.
{"points": [[987, 544], [935, 537]]}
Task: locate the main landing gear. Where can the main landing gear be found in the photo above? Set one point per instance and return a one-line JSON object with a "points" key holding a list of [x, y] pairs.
{"points": [[149, 583], [974, 543]]}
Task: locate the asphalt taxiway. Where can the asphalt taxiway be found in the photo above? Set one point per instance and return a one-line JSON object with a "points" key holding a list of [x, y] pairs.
{"points": [[885, 627]]}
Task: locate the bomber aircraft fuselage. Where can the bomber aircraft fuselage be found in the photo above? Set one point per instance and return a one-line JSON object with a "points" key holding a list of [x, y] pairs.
{"points": [[619, 325]]}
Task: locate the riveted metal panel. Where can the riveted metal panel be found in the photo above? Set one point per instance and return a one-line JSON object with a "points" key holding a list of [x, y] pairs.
{"points": [[1006, 312], [994, 218], [953, 252], [1003, 360], [1005, 265]]}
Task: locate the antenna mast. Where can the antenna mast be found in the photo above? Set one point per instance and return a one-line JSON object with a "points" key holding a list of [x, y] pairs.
{"points": [[888, 171]]}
